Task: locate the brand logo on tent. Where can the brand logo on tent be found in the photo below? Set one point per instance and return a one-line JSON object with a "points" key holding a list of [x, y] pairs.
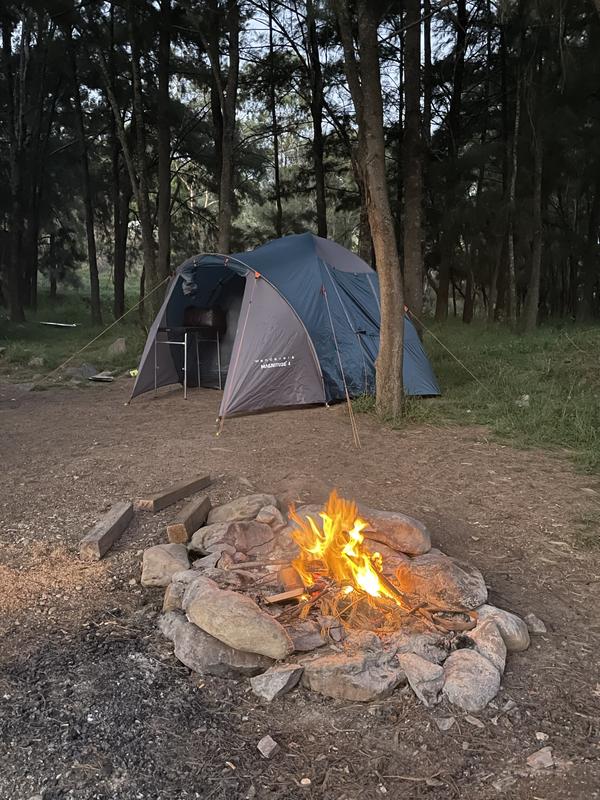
{"points": [[279, 361]]}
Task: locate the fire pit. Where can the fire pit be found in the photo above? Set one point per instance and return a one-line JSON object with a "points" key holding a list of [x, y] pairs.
{"points": [[351, 601]]}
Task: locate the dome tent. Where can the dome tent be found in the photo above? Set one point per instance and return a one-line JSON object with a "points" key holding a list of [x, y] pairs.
{"points": [[300, 324]]}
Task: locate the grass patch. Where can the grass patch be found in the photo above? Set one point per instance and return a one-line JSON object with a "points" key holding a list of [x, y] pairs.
{"points": [[538, 390], [30, 340]]}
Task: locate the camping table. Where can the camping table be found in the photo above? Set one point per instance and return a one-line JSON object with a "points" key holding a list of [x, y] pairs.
{"points": [[199, 335]]}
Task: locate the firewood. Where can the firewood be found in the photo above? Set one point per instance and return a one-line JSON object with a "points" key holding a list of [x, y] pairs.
{"points": [[292, 594], [289, 577]]}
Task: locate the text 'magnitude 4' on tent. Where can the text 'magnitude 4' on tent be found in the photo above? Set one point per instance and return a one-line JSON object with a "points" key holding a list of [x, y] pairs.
{"points": [[293, 322]]}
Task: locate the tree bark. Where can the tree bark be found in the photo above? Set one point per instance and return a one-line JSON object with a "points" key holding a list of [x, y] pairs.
{"points": [[274, 128], [532, 299], [512, 275], [453, 126], [427, 79], [413, 161], [88, 201], [363, 74], [15, 146], [316, 112], [226, 89], [591, 273], [164, 142]]}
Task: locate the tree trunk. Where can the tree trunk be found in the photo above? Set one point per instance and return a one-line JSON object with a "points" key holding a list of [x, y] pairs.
{"points": [[164, 142], [512, 275], [88, 201], [15, 141], [226, 89], [413, 161], [364, 80], [469, 301], [585, 308], [532, 299], [316, 112], [427, 80], [143, 183], [274, 130], [453, 125]]}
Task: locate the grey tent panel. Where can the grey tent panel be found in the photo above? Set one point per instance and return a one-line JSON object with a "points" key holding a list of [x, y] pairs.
{"points": [[273, 363]]}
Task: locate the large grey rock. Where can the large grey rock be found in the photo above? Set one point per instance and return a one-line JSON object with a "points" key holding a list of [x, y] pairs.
{"points": [[489, 642], [247, 536], [203, 653], [276, 681], [242, 508], [236, 620], [426, 644], [360, 677], [425, 679], [442, 581], [161, 562], [272, 516], [210, 535], [512, 628], [174, 592], [398, 531], [471, 681]]}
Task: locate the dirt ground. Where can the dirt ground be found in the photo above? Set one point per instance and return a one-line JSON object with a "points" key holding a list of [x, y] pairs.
{"points": [[94, 705]]}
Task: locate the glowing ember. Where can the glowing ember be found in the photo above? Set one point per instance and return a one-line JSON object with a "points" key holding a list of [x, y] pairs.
{"points": [[335, 550]]}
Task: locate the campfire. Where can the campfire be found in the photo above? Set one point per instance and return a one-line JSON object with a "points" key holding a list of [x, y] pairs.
{"points": [[348, 582], [352, 601]]}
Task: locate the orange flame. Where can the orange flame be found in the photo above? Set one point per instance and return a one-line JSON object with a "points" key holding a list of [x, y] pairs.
{"points": [[336, 550]]}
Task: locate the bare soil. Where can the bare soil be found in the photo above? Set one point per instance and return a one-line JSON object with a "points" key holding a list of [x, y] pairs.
{"points": [[94, 705]]}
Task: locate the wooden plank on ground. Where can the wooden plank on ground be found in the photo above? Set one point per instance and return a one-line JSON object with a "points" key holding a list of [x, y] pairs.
{"points": [[156, 502], [106, 532], [189, 519]]}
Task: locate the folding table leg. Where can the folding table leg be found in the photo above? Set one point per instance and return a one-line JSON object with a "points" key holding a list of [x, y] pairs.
{"points": [[185, 340]]}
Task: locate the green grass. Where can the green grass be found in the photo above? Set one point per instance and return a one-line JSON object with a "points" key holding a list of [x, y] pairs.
{"points": [[558, 368], [25, 341]]}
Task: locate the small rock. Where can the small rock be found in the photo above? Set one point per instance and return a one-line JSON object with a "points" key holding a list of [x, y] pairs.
{"points": [[206, 537], [476, 723], [276, 681], [361, 677], [306, 635], [268, 747], [535, 624], [203, 653], [161, 562], [271, 515], [236, 620], [244, 508], [541, 759], [541, 736], [425, 679], [471, 681], [444, 723], [489, 642], [442, 581], [305, 781], [512, 628], [118, 347]]}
